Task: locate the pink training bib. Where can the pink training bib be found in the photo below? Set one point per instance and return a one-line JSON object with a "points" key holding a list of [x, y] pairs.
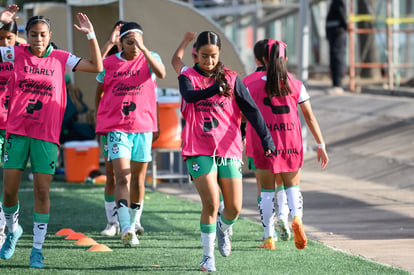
{"points": [[129, 100], [281, 116], [212, 126], [6, 83], [38, 97], [247, 80]]}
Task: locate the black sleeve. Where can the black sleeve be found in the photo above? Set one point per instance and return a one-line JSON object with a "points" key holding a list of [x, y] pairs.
{"points": [[190, 95], [243, 126], [251, 111]]}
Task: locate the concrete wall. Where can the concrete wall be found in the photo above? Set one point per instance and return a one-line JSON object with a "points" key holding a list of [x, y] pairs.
{"points": [[164, 23]]}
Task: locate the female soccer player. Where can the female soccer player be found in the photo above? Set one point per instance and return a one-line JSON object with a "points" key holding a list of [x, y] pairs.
{"points": [[277, 96], [260, 53], [8, 37], [212, 143], [36, 111], [128, 114]]}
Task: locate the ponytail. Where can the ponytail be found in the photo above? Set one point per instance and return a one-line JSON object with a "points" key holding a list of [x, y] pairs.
{"points": [[277, 83]]}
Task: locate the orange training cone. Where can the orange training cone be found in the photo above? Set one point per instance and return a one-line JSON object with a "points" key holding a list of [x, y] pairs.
{"points": [[86, 241], [99, 248], [100, 179], [75, 236], [65, 232]]}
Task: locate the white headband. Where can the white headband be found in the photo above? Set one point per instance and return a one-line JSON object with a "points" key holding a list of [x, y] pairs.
{"points": [[131, 30]]}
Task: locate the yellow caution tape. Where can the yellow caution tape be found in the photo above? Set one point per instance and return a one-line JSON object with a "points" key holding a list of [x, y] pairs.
{"points": [[388, 21]]}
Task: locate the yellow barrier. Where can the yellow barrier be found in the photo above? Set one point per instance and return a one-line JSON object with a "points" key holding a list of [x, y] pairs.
{"points": [[388, 21]]}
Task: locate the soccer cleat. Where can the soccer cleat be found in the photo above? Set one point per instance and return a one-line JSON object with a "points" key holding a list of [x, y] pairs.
{"points": [[134, 240], [2, 235], [139, 229], [224, 244], [299, 233], [110, 230], [231, 231], [274, 236], [7, 250], [269, 243], [36, 258], [127, 237], [208, 264], [284, 230], [2, 239]]}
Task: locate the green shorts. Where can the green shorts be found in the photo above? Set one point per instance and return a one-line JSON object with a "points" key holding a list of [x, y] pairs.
{"points": [[104, 144], [2, 139], [42, 154], [225, 168], [250, 163]]}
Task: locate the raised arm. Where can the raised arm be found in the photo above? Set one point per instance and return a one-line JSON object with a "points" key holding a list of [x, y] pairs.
{"points": [[94, 64], [156, 66], [8, 14], [177, 59], [112, 41]]}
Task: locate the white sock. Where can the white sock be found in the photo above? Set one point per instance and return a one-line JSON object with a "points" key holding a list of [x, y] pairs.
{"points": [[282, 204], [111, 212], [224, 226], [267, 210], [2, 219], [12, 220], [39, 234], [295, 201], [136, 214], [208, 241]]}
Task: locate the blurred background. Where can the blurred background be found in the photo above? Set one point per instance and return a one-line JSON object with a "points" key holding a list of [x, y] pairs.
{"points": [[378, 50]]}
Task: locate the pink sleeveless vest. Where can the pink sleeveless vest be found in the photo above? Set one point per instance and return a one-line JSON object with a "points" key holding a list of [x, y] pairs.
{"points": [[281, 117], [247, 80], [253, 77], [38, 99], [129, 100], [6, 83], [212, 126]]}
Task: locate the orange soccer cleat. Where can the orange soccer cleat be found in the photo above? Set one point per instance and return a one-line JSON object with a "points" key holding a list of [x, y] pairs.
{"points": [[299, 233]]}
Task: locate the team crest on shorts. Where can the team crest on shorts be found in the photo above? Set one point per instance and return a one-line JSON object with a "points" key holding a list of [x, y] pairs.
{"points": [[6, 157], [115, 149], [196, 167], [106, 147]]}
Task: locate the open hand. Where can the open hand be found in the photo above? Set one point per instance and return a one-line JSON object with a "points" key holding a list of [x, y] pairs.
{"points": [[85, 24], [322, 156], [8, 15]]}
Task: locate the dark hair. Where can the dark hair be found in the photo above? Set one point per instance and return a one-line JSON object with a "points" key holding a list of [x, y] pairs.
{"points": [[277, 83], [114, 49], [260, 51], [211, 38], [35, 20], [129, 26], [194, 50], [10, 27]]}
